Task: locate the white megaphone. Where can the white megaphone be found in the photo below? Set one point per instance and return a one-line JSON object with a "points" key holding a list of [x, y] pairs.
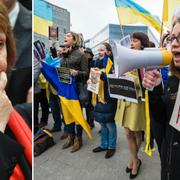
{"points": [[127, 59]]}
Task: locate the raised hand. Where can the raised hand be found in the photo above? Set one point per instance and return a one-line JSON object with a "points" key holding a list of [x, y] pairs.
{"points": [[5, 104], [151, 79]]}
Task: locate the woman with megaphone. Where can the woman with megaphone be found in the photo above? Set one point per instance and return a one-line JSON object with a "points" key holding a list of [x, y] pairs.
{"points": [[15, 141], [131, 115], [167, 108]]}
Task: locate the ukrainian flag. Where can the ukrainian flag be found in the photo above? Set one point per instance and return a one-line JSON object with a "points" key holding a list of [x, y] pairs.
{"points": [[68, 97], [107, 67], [130, 12], [42, 17], [169, 7], [107, 64]]}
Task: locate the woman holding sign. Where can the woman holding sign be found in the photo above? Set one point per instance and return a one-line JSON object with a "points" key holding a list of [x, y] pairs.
{"points": [[104, 105], [167, 108], [131, 115], [75, 62]]}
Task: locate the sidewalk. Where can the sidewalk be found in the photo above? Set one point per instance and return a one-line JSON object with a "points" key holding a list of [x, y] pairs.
{"points": [[58, 164]]}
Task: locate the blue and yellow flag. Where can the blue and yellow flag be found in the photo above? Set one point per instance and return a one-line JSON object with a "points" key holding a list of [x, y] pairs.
{"points": [[107, 64], [130, 12], [69, 100], [107, 67], [169, 7], [42, 17]]}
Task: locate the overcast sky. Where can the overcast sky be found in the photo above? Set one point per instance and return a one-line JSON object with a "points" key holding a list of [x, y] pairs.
{"points": [[90, 16]]}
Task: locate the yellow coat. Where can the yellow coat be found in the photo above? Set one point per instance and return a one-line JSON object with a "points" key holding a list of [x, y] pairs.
{"points": [[132, 115]]}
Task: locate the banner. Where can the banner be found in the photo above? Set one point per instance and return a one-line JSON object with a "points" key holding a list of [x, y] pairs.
{"points": [[122, 88]]}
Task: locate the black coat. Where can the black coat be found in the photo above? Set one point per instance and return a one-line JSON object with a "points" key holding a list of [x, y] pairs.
{"points": [[10, 154], [20, 78], [170, 151]]}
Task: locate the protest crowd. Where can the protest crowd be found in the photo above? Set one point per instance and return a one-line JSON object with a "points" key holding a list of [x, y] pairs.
{"points": [[70, 78]]}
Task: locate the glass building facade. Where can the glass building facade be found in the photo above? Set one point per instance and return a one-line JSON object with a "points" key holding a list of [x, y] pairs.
{"points": [[113, 32], [61, 19]]}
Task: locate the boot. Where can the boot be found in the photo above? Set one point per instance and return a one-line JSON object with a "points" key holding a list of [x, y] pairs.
{"points": [[69, 142], [77, 144], [64, 136]]}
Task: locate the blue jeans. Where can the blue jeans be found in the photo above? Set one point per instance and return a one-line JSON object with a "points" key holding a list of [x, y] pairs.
{"points": [[54, 103], [74, 129], [108, 135]]}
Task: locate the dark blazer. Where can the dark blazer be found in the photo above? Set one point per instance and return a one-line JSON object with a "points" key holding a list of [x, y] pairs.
{"points": [[20, 77], [170, 149], [10, 153]]}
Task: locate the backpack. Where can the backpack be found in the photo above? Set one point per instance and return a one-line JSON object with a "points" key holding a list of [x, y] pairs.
{"points": [[43, 140]]}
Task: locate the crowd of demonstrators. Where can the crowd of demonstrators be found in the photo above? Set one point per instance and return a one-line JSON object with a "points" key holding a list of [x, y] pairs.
{"points": [[105, 110], [104, 106], [164, 105], [131, 115], [11, 151]]}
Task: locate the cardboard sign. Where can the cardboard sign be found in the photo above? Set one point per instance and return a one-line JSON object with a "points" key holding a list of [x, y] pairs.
{"points": [[39, 51], [64, 75], [126, 41], [53, 33], [175, 118], [122, 88], [93, 82]]}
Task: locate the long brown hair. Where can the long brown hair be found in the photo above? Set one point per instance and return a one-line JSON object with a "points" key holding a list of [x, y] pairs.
{"points": [[5, 27], [75, 38], [173, 69]]}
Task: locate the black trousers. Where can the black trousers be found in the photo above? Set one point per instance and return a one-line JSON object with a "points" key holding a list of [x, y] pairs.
{"points": [[158, 130]]}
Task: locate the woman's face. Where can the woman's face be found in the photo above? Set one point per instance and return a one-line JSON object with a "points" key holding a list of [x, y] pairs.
{"points": [[175, 46], [101, 51], [3, 52], [135, 44], [68, 40]]}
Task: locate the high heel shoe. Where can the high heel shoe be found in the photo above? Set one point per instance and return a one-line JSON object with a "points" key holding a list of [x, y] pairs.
{"points": [[132, 176], [128, 170]]}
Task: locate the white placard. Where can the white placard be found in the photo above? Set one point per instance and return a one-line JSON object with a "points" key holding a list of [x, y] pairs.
{"points": [[93, 81], [175, 118]]}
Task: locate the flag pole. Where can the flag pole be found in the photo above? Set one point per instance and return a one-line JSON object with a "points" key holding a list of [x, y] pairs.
{"points": [[161, 33], [122, 32]]}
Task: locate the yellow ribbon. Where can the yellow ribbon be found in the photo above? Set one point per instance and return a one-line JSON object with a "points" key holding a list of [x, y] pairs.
{"points": [[148, 149], [47, 132]]}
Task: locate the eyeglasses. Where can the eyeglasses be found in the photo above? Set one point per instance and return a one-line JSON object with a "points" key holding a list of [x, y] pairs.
{"points": [[170, 39]]}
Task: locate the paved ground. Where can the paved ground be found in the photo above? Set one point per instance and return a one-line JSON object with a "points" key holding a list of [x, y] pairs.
{"points": [[58, 164]]}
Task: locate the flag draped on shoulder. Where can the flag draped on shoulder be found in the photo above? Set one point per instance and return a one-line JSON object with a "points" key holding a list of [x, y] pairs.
{"points": [[130, 12], [107, 64], [70, 105], [107, 67]]}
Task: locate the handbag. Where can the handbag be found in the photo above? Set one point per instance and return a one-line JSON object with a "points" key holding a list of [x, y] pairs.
{"points": [[43, 140], [83, 93]]}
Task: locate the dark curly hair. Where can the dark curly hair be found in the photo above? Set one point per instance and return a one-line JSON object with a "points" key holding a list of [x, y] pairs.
{"points": [[142, 37]]}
